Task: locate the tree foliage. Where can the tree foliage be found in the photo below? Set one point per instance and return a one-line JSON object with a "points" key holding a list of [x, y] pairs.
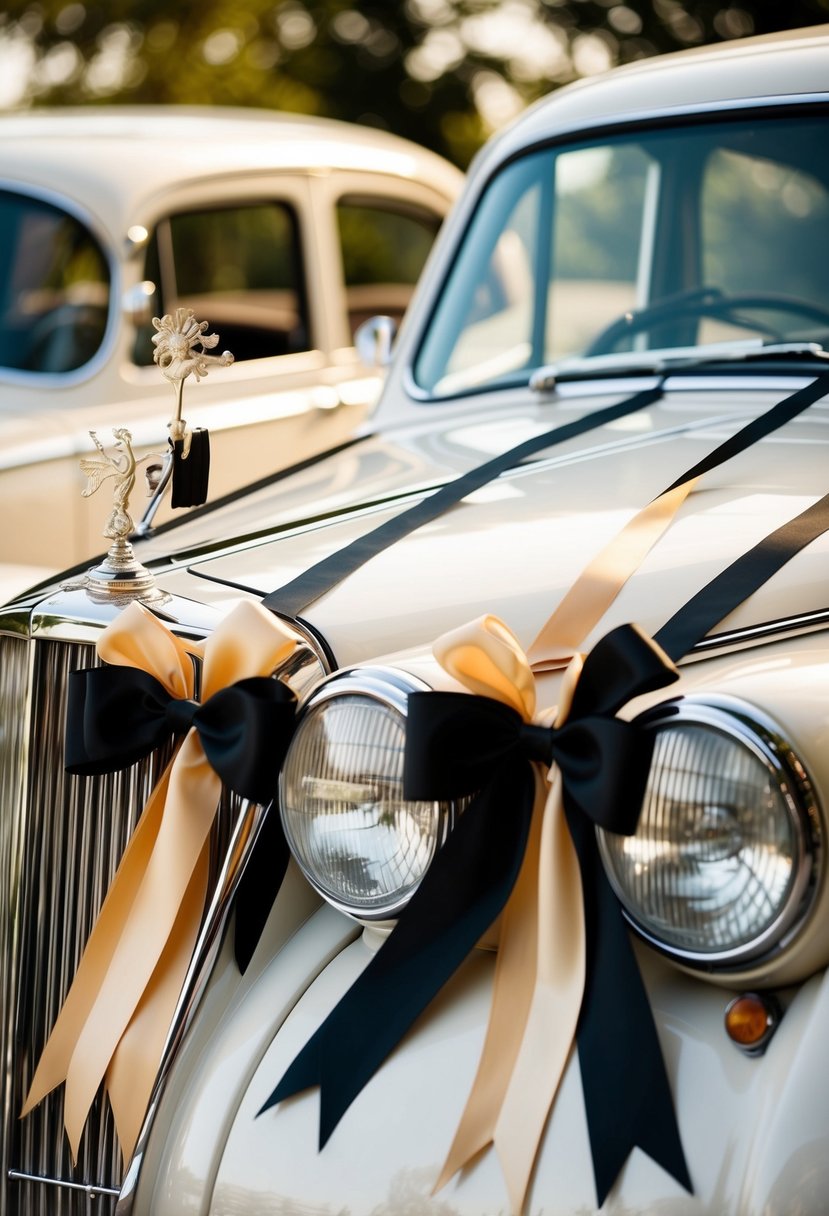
{"points": [[442, 72]]}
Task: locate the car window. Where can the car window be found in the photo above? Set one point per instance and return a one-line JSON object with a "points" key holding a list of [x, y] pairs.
{"points": [[241, 268], [54, 287], [715, 232], [765, 222], [383, 250]]}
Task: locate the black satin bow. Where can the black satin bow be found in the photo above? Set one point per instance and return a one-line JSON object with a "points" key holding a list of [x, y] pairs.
{"points": [[457, 744], [118, 715]]}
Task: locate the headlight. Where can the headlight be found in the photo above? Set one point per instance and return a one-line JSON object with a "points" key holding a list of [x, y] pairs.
{"points": [[358, 842], [723, 868]]}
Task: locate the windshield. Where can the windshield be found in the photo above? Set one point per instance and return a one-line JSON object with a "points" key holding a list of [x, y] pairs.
{"points": [[54, 287], [654, 240]]}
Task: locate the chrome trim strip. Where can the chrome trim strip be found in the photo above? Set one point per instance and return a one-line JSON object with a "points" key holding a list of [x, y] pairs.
{"points": [[806, 622], [759, 733], [91, 1191], [248, 824], [15, 682]]}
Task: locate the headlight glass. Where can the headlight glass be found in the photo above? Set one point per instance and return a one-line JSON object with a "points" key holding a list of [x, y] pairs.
{"points": [[358, 841], [723, 865]]}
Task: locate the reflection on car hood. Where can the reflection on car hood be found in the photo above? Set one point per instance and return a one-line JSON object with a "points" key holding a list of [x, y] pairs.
{"points": [[517, 545]]}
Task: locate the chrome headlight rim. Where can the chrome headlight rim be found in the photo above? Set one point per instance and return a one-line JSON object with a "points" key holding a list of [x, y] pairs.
{"points": [[763, 737], [390, 687]]}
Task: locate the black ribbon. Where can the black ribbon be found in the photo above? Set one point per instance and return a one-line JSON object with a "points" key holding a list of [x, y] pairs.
{"points": [[291, 599], [191, 474], [627, 1095], [294, 597], [728, 589], [118, 715], [457, 744]]}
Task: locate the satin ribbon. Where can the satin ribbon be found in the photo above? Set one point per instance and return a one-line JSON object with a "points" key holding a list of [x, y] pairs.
{"points": [[114, 1021], [598, 767], [510, 847]]}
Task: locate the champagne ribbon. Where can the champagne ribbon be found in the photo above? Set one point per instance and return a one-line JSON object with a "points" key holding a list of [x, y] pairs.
{"points": [[531, 853], [598, 767], [514, 828], [114, 1021]]}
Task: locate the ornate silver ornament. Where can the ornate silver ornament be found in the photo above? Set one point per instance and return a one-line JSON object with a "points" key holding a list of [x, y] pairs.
{"points": [[181, 346], [120, 574]]}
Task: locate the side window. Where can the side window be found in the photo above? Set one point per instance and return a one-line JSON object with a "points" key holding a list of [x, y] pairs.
{"points": [[383, 250], [240, 269], [54, 287]]}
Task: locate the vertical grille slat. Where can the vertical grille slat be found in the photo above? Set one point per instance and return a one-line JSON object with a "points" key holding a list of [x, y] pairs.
{"points": [[60, 841], [61, 838]]}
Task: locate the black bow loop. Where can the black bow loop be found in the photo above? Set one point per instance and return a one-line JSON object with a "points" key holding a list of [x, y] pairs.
{"points": [[245, 730], [115, 716], [118, 715], [623, 664], [455, 743]]}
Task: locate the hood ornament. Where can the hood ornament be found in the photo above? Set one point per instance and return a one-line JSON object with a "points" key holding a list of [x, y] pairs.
{"points": [[120, 577], [181, 345]]}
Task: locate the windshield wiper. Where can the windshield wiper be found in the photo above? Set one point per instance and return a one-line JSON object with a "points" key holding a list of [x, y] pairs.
{"points": [[544, 379]]}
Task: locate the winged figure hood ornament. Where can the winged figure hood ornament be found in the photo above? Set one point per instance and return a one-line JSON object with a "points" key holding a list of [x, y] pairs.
{"points": [[181, 346]]}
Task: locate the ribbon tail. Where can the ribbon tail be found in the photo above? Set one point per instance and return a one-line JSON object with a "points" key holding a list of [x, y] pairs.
{"points": [[627, 1096], [511, 997], [460, 896], [259, 886], [304, 1073], [57, 1054], [553, 1015], [134, 1067], [142, 937]]}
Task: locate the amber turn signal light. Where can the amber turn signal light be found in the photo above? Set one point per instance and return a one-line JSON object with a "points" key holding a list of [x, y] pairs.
{"points": [[751, 1020]]}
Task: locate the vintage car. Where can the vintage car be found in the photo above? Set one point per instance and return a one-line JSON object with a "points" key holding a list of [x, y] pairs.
{"points": [[286, 231], [609, 400]]}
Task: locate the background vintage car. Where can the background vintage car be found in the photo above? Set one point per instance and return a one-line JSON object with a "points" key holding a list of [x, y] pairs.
{"points": [[284, 232], [695, 190]]}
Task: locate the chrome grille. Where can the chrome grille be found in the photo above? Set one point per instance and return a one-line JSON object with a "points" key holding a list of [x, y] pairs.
{"points": [[60, 840], [58, 853]]}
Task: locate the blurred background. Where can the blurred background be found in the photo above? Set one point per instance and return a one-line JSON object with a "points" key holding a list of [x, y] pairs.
{"points": [[446, 73]]}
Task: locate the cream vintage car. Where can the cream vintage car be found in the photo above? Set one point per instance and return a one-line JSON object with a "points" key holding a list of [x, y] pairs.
{"points": [[286, 231], [601, 893]]}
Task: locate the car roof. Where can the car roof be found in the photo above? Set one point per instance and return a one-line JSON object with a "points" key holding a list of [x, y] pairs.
{"points": [[110, 157], [785, 64]]}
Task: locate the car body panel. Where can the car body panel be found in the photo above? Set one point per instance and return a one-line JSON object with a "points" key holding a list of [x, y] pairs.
{"points": [[754, 1127], [567, 504], [124, 170]]}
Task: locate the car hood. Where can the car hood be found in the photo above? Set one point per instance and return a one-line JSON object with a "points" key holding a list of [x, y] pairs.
{"points": [[514, 547]]}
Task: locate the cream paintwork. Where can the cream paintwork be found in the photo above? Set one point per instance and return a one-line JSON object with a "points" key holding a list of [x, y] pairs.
{"points": [[549, 519], [121, 168], [754, 1130]]}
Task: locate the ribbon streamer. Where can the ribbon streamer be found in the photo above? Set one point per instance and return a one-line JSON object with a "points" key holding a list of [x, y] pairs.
{"points": [[115, 1018], [291, 599], [418, 958], [457, 744]]}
